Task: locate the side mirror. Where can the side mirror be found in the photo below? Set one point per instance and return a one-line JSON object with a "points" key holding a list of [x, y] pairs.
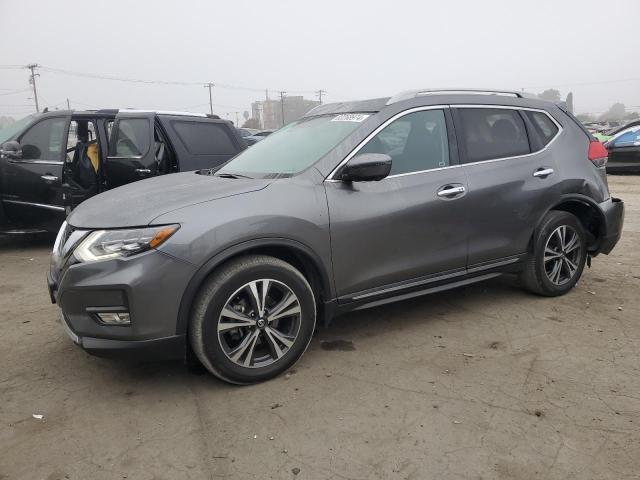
{"points": [[11, 149], [367, 167]]}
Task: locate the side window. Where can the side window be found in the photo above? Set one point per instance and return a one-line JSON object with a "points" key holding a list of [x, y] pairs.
{"points": [[85, 131], [627, 138], [205, 138], [130, 138], [490, 133], [44, 140], [543, 125], [415, 142]]}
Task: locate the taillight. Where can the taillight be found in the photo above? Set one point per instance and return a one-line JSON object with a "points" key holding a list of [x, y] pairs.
{"points": [[598, 153]]}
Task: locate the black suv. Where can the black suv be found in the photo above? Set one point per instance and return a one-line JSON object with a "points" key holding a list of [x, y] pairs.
{"points": [[62, 158], [354, 205]]}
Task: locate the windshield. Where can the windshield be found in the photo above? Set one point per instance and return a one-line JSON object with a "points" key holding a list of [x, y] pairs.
{"points": [[293, 148], [9, 131]]}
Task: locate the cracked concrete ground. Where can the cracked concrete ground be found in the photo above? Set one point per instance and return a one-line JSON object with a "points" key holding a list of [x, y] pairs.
{"points": [[482, 382]]}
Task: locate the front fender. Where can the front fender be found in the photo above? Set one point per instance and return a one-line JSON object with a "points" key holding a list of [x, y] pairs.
{"points": [[245, 247]]}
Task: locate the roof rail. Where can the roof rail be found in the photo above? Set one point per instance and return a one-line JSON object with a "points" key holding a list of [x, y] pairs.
{"points": [[406, 95]]}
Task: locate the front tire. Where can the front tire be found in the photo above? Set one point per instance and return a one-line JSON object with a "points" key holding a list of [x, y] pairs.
{"points": [[558, 257], [253, 319]]}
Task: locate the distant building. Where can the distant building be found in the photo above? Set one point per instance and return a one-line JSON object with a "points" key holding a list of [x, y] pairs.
{"points": [[269, 112]]}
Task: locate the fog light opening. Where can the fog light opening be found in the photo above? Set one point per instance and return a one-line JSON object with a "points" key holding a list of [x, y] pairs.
{"points": [[114, 318]]}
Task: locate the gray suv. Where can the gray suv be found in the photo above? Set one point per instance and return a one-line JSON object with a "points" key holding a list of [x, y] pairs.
{"points": [[355, 205]]}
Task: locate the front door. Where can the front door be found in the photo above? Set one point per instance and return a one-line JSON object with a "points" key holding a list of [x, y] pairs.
{"points": [[409, 226], [31, 181], [511, 174], [132, 154]]}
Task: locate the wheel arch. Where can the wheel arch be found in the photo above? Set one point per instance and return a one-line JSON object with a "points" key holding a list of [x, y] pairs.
{"points": [[293, 252], [586, 211]]}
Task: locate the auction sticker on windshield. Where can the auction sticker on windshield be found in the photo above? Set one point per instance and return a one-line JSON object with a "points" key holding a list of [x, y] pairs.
{"points": [[350, 117]]}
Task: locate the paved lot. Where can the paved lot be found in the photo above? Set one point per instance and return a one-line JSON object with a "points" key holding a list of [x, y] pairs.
{"points": [[482, 382]]}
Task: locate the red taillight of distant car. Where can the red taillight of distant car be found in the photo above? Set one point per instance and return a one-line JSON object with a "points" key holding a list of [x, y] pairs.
{"points": [[598, 153]]}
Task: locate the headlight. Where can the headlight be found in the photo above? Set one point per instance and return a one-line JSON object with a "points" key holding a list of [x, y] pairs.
{"points": [[107, 244]]}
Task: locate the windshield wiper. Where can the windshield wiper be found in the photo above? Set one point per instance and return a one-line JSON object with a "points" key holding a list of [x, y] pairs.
{"points": [[230, 175]]}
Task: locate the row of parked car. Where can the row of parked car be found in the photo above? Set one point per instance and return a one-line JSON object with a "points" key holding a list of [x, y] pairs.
{"points": [[623, 144], [252, 136], [52, 162]]}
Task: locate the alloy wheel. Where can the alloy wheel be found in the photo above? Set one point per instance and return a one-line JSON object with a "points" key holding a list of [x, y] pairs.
{"points": [[562, 255], [259, 323]]}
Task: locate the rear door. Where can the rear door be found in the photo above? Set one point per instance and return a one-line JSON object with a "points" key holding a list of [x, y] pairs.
{"points": [[201, 142], [31, 184], [132, 154], [511, 172]]}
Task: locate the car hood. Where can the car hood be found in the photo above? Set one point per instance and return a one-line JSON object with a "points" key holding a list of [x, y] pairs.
{"points": [[139, 203]]}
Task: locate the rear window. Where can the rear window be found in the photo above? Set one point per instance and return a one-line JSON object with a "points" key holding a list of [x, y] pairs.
{"points": [[543, 125], [205, 138], [491, 133]]}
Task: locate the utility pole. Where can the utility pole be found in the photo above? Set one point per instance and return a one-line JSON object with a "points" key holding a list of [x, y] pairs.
{"points": [[210, 87], [237, 121], [320, 92], [32, 81], [261, 114], [68, 106], [282, 95]]}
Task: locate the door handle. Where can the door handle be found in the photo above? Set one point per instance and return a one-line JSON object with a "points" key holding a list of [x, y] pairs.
{"points": [[451, 191], [49, 178], [543, 172], [144, 171]]}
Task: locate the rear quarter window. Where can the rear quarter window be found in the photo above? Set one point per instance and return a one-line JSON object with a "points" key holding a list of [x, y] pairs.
{"points": [[543, 125], [205, 138]]}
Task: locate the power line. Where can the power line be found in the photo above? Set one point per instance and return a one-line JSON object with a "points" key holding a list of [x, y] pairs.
{"points": [[215, 105], [584, 84], [116, 78], [16, 92], [153, 82]]}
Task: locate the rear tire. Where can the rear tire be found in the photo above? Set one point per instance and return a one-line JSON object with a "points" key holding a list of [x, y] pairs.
{"points": [[252, 319], [558, 257]]}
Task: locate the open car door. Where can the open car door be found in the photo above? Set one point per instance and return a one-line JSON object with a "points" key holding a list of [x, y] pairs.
{"points": [[132, 153], [86, 154]]}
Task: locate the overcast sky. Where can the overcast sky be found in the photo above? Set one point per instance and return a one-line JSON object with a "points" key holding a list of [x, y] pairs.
{"points": [[351, 49]]}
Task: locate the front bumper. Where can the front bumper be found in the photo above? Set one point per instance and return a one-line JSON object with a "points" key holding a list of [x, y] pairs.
{"points": [[154, 349], [149, 286], [613, 214]]}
